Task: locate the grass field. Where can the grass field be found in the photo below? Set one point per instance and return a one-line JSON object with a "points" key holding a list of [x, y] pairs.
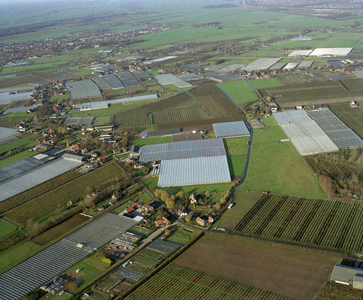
{"points": [[6, 229], [352, 117], [239, 268], [102, 120], [25, 142], [60, 195], [313, 221], [16, 254], [265, 83], [59, 230], [173, 87], [236, 165], [182, 235], [236, 146], [243, 201], [277, 167], [151, 141], [240, 91]]}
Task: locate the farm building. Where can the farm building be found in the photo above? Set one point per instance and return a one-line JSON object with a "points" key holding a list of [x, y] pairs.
{"points": [[261, 64], [83, 89], [336, 130], [331, 52], [101, 82], [348, 276], [158, 133], [7, 98], [36, 176], [113, 81], [300, 53], [180, 150], [231, 129], [20, 109], [196, 170], [73, 157], [165, 79], [6, 133], [47, 264], [304, 133], [128, 79], [156, 60]]}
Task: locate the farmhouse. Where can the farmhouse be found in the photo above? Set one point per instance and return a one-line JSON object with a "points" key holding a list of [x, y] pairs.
{"points": [[200, 221], [162, 222]]}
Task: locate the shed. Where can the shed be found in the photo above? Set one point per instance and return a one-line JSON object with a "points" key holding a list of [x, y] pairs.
{"points": [[347, 275], [74, 157]]}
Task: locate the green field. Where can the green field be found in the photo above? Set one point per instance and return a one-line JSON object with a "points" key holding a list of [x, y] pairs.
{"points": [[236, 146], [240, 91], [25, 142], [182, 235], [102, 120], [236, 165], [6, 229], [243, 201], [277, 167]]}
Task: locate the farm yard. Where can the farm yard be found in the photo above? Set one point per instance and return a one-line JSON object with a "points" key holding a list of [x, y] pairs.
{"points": [[319, 222], [209, 269]]}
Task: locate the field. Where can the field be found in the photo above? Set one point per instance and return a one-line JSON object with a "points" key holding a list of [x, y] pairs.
{"points": [[59, 230], [13, 158], [352, 117], [236, 165], [102, 120], [147, 258], [319, 222], [236, 146], [6, 229], [182, 235], [25, 142], [49, 201], [240, 91], [151, 141], [238, 268], [308, 92], [332, 290], [277, 167], [180, 115], [243, 201]]}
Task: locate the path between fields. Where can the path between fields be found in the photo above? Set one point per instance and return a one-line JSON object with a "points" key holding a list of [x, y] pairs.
{"points": [[323, 101]]}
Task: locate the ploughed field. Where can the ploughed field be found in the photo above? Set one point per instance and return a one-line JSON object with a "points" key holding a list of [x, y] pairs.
{"points": [[222, 267], [319, 222]]}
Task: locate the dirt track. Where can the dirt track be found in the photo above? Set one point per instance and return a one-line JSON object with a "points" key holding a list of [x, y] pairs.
{"points": [[322, 101]]}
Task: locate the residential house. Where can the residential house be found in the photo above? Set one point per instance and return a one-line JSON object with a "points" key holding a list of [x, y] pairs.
{"points": [[200, 221], [182, 212], [210, 219], [353, 104], [162, 222], [192, 199]]}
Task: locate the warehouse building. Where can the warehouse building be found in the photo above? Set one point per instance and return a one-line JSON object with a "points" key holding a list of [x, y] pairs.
{"points": [[348, 276]]}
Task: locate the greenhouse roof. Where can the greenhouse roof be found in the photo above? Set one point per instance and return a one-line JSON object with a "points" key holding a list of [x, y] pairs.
{"points": [[229, 129]]}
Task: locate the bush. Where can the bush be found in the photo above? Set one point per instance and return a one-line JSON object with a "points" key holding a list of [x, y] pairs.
{"points": [[11, 240]]}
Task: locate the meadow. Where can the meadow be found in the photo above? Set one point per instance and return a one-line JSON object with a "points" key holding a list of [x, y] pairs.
{"points": [[277, 167], [6, 229]]}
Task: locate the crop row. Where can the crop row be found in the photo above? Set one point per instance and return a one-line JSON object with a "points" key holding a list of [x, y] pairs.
{"points": [[181, 115], [147, 258], [353, 84], [175, 282], [131, 119], [335, 169], [312, 221]]}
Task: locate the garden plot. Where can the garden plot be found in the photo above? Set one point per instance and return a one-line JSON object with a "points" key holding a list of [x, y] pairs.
{"points": [[336, 130], [166, 79]]}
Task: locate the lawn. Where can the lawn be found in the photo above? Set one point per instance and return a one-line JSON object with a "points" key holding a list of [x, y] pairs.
{"points": [[277, 167], [236, 146], [151, 141], [173, 87], [6, 229], [16, 254], [102, 120], [240, 91], [265, 83], [243, 202], [25, 142], [236, 165]]}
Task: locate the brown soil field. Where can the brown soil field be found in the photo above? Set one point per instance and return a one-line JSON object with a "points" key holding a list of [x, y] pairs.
{"points": [[284, 270], [59, 230], [22, 80]]}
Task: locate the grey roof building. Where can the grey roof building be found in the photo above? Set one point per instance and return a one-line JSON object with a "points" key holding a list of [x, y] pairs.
{"points": [[348, 275], [231, 129]]}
